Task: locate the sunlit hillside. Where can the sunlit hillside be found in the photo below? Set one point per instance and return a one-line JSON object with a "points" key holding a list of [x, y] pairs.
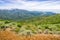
{"points": [[37, 25]]}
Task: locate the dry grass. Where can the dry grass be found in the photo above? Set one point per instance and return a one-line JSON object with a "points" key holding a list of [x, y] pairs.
{"points": [[7, 35]]}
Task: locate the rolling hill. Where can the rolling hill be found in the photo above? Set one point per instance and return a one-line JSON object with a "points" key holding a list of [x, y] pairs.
{"points": [[36, 22], [19, 14]]}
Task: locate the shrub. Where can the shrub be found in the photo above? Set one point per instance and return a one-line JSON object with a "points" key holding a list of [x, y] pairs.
{"points": [[19, 26], [6, 22]]}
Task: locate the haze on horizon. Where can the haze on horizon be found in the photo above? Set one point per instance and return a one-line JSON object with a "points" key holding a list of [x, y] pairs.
{"points": [[35, 5]]}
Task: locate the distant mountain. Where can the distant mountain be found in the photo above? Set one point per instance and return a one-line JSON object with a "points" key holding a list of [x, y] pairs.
{"points": [[19, 14]]}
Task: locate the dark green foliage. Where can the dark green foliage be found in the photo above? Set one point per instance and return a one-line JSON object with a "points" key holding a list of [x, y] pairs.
{"points": [[19, 26], [2, 27], [46, 27], [6, 22]]}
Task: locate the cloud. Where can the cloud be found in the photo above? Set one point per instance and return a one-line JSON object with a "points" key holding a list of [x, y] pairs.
{"points": [[40, 0], [47, 5]]}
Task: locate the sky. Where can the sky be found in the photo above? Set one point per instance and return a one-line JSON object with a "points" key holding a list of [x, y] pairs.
{"points": [[35, 5]]}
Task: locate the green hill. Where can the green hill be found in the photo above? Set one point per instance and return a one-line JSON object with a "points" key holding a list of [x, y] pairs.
{"points": [[20, 14], [35, 25], [54, 19]]}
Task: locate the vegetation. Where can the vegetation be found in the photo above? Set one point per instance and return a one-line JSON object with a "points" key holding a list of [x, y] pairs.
{"points": [[19, 14], [37, 25]]}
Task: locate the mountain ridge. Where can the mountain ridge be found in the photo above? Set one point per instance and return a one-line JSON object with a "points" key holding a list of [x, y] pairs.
{"points": [[19, 14]]}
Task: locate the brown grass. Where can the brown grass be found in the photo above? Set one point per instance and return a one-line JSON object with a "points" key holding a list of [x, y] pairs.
{"points": [[7, 35]]}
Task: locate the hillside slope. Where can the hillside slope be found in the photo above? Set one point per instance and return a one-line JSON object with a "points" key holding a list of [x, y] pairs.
{"points": [[37, 25], [54, 19], [19, 14]]}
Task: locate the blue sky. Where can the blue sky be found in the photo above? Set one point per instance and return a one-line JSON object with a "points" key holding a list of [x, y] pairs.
{"points": [[39, 5]]}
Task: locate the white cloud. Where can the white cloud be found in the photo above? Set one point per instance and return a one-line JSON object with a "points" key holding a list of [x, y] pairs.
{"points": [[30, 5]]}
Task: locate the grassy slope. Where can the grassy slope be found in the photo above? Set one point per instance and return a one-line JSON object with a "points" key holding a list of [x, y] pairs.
{"points": [[52, 23]]}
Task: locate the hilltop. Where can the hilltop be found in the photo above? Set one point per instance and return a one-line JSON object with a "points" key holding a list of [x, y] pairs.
{"points": [[20, 14]]}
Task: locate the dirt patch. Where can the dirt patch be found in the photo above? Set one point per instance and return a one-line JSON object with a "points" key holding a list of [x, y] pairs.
{"points": [[8, 35]]}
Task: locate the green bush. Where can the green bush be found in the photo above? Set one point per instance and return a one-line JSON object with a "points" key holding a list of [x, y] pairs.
{"points": [[6, 22]]}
